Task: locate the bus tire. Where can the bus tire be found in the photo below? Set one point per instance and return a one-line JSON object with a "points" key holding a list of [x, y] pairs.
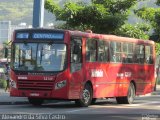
{"points": [[130, 96], [85, 97], [35, 101]]}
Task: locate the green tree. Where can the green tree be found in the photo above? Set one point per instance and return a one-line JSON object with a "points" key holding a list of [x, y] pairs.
{"points": [[101, 16], [136, 31], [158, 2], [152, 16]]}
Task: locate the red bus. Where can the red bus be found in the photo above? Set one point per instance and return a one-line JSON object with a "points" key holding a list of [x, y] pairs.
{"points": [[80, 66]]}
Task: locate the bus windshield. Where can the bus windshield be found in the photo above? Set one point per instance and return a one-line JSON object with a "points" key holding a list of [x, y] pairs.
{"points": [[38, 57]]}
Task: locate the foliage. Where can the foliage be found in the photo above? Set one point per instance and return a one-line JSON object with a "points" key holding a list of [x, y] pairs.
{"points": [[1, 53], [157, 48], [158, 2], [135, 31], [116, 6], [158, 81], [2, 83], [102, 16], [152, 16]]}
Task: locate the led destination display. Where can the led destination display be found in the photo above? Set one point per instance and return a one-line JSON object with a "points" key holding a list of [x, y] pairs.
{"points": [[48, 36]]}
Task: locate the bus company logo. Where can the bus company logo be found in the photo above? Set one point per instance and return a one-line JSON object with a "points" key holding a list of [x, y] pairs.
{"points": [[128, 74], [121, 75], [96, 73]]}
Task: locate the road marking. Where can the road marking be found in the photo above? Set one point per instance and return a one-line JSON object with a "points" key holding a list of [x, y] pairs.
{"points": [[72, 111]]}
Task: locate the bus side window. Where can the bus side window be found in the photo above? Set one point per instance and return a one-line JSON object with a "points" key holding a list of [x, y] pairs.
{"points": [[112, 52], [115, 52], [102, 51], [139, 54], [148, 55], [127, 53], [91, 50], [76, 54], [76, 51]]}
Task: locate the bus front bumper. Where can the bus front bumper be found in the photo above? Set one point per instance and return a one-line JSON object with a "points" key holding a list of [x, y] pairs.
{"points": [[30, 93]]}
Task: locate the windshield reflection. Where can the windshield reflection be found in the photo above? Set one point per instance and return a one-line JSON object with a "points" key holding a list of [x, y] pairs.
{"points": [[38, 57]]}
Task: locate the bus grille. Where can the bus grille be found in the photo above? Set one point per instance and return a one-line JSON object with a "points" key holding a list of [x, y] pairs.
{"points": [[35, 85]]}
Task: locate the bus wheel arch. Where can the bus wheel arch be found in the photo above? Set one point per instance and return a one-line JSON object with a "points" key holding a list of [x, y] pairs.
{"points": [[90, 83], [93, 99], [86, 95], [130, 95]]}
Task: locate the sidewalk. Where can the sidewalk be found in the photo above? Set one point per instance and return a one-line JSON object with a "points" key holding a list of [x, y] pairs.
{"points": [[5, 99]]}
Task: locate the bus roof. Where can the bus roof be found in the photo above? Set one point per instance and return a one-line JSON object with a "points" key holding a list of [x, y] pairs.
{"points": [[111, 37], [92, 35]]}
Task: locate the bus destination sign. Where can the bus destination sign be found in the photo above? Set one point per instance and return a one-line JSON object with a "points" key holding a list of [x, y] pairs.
{"points": [[48, 36]]}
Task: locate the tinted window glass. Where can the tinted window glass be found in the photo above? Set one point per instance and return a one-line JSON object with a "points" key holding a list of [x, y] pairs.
{"points": [[148, 55], [91, 50], [115, 52], [127, 53], [102, 51], [139, 54]]}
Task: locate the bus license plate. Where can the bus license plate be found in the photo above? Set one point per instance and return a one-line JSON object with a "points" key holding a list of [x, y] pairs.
{"points": [[34, 94]]}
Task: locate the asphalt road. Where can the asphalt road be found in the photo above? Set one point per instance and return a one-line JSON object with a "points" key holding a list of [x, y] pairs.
{"points": [[144, 108]]}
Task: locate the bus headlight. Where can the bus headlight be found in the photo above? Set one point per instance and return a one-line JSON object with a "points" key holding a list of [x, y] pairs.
{"points": [[60, 84], [13, 84]]}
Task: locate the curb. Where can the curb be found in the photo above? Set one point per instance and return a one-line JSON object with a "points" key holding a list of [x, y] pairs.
{"points": [[149, 94], [14, 103]]}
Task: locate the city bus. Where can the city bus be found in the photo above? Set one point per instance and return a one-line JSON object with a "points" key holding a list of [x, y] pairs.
{"points": [[79, 66]]}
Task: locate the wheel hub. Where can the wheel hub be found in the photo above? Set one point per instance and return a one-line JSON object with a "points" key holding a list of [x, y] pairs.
{"points": [[86, 95]]}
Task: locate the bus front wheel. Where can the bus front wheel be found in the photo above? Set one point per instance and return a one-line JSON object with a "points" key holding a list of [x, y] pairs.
{"points": [[130, 96], [35, 101], [85, 97]]}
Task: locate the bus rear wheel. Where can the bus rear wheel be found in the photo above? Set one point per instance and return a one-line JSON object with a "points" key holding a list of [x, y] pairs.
{"points": [[130, 96], [35, 101], [86, 97]]}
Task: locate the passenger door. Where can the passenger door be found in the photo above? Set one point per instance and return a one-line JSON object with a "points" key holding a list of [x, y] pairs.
{"points": [[76, 70]]}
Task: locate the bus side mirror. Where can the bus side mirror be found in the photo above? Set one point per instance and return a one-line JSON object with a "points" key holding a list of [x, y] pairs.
{"points": [[5, 52]]}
